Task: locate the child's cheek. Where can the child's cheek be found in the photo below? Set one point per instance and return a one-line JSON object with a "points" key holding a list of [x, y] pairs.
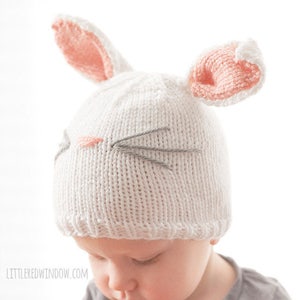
{"points": [[100, 276], [101, 282]]}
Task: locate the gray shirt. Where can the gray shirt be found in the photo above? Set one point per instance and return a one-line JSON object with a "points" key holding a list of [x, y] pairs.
{"points": [[249, 285]]}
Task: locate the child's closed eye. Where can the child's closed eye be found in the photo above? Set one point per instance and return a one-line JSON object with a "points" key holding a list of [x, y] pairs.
{"points": [[147, 261]]}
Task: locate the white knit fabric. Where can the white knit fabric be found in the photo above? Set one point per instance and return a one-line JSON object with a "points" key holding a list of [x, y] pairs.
{"points": [[135, 193], [153, 161]]}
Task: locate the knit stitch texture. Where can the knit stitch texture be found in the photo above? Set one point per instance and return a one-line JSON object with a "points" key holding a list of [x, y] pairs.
{"points": [[145, 157]]}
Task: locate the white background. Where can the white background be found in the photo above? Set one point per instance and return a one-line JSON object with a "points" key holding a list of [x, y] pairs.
{"points": [[39, 93]]}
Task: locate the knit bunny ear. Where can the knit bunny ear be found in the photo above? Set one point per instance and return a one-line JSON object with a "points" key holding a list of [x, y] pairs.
{"points": [[87, 49], [227, 75]]}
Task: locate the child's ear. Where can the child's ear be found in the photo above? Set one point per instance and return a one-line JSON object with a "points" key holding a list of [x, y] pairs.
{"points": [[228, 74], [87, 49], [213, 242]]}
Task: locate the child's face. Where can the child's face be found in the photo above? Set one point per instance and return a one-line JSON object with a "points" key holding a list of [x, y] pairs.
{"points": [[148, 270]]}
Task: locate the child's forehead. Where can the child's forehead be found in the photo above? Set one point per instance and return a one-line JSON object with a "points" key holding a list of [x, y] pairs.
{"points": [[124, 246], [141, 249]]}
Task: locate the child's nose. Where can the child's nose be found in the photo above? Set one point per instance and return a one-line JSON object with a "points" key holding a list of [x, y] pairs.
{"points": [[121, 279]]}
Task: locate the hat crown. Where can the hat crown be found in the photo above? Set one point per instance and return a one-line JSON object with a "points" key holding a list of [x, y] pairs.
{"points": [[132, 103]]}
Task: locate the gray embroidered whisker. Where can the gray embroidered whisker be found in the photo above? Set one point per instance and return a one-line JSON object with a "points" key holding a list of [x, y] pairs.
{"points": [[63, 146], [162, 164], [158, 149], [139, 134]]}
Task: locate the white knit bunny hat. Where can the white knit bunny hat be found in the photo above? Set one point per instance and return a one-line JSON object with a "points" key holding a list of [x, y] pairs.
{"points": [[145, 158]]}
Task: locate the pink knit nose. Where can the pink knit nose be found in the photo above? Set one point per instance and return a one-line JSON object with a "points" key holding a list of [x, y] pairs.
{"points": [[89, 141]]}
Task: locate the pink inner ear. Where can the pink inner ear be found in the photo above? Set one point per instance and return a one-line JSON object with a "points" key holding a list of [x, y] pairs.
{"points": [[217, 76], [83, 50]]}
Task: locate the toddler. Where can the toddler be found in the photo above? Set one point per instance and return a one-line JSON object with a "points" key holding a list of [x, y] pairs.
{"points": [[141, 178]]}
